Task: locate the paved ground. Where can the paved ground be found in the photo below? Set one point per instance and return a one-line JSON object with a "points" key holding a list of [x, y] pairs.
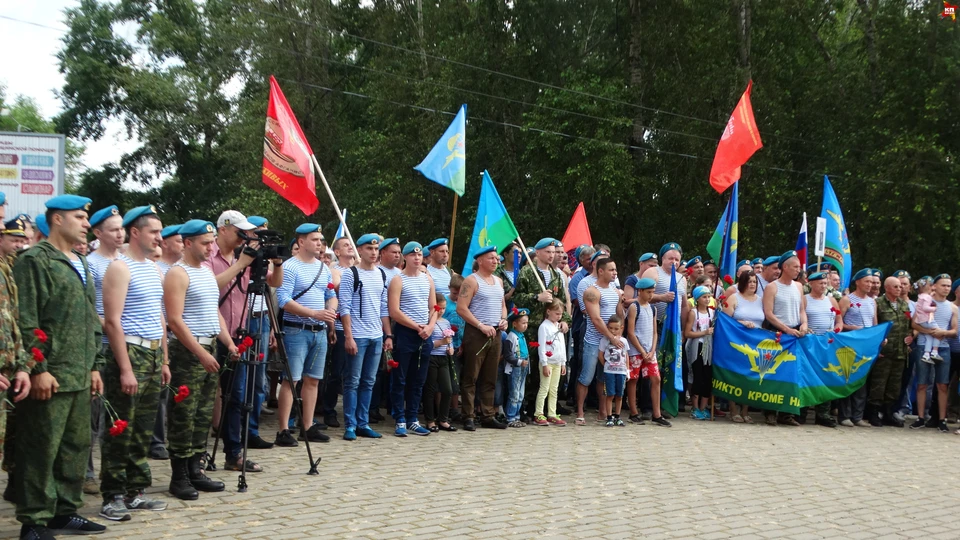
{"points": [[697, 479]]}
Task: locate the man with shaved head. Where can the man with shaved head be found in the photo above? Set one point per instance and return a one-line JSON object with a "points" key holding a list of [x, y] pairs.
{"points": [[887, 371]]}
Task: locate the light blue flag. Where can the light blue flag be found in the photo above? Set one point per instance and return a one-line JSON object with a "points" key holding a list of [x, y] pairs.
{"points": [[340, 233], [837, 250], [493, 226], [669, 353], [728, 257], [446, 164]]}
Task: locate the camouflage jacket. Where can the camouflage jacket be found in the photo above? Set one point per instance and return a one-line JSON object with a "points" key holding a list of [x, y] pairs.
{"points": [[54, 299], [528, 287], [898, 313], [12, 358]]}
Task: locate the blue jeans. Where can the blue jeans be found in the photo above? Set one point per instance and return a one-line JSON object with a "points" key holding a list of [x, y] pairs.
{"points": [[333, 382], [518, 383], [407, 379], [591, 359], [235, 421], [938, 372], [306, 352], [359, 373]]}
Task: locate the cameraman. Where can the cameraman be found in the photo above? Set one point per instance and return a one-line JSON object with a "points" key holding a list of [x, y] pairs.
{"points": [[233, 279]]}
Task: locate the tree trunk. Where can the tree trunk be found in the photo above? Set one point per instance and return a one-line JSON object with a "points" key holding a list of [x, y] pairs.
{"points": [[636, 77], [870, 35], [743, 19]]}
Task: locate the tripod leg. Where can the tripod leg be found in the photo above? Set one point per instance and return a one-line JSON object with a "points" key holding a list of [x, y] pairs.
{"points": [[226, 395]]}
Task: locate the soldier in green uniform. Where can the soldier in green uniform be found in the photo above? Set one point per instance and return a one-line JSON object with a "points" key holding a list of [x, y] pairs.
{"points": [[60, 326], [887, 372], [13, 238]]}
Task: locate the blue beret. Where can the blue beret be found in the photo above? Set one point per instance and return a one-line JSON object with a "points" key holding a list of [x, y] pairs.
{"points": [[598, 254], [101, 215], [876, 272], [170, 230], [901, 273], [745, 262], [862, 274], [257, 221], [647, 256], [426, 252], [645, 283], [483, 251], [437, 243], [544, 243], [308, 228], [694, 260], [388, 241], [771, 260], [955, 285], [700, 291], [69, 202], [786, 257], [709, 261], [938, 277], [412, 247], [138, 213], [196, 227], [42, 226], [670, 246], [817, 276], [576, 252], [3, 198], [758, 260], [369, 238], [517, 313], [14, 227]]}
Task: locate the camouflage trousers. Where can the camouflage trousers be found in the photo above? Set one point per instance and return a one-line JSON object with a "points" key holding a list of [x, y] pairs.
{"points": [[884, 380], [189, 420], [123, 459], [51, 455]]}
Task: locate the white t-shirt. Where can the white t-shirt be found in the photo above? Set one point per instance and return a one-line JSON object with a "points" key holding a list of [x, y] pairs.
{"points": [[614, 359]]}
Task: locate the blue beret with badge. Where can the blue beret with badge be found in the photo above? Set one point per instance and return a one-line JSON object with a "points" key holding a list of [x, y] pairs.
{"points": [[771, 260], [866, 272], [648, 256], [670, 246], [693, 261], [369, 238], [544, 243], [308, 228], [437, 243], [645, 283], [412, 247], [69, 202], [42, 226], [257, 221], [196, 227], [102, 214], [483, 251], [170, 230], [758, 260], [517, 313], [389, 241], [786, 257], [598, 254], [744, 262], [817, 276], [876, 272], [137, 213], [709, 262], [901, 273]]}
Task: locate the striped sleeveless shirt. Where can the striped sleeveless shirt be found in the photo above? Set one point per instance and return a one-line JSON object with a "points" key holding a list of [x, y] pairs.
{"points": [[142, 308], [786, 305], [200, 310], [487, 304], [441, 279], [749, 311], [943, 316], [861, 315], [663, 286], [98, 267], [820, 317], [415, 297], [609, 298], [643, 328]]}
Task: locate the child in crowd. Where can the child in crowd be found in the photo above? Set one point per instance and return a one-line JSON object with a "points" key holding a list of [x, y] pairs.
{"points": [[553, 364], [456, 361], [642, 336], [438, 374], [923, 315], [614, 360], [517, 358], [698, 331]]}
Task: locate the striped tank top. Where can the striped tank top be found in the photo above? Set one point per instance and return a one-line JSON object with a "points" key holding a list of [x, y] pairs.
{"points": [[78, 266], [609, 298], [862, 314], [415, 297], [142, 308], [943, 315], [643, 328], [487, 304], [749, 311], [663, 286], [820, 316], [441, 279], [200, 310], [786, 306], [442, 326], [98, 267]]}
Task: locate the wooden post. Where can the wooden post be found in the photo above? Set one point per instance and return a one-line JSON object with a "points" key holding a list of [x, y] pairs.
{"points": [[336, 207], [453, 229], [536, 271]]}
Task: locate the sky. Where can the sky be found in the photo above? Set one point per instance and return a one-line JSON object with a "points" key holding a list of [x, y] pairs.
{"points": [[28, 67]]}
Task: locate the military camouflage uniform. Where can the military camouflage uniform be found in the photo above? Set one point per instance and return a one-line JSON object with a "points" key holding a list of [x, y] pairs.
{"points": [[887, 371], [12, 358], [189, 420], [123, 459], [54, 435]]}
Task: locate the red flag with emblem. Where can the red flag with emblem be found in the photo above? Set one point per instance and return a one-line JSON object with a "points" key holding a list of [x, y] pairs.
{"points": [[739, 141], [287, 154]]}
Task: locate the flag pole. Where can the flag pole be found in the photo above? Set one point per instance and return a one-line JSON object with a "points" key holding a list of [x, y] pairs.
{"points": [[453, 228], [536, 271], [336, 207]]}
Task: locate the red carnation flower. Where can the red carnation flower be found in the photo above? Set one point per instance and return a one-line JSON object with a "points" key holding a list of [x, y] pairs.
{"points": [[260, 356], [549, 354], [533, 344], [436, 308], [837, 329], [830, 340], [241, 348], [392, 364], [514, 311], [722, 297], [455, 328], [247, 341], [184, 389], [118, 427], [728, 280], [37, 355], [40, 335], [858, 304], [331, 286], [725, 304], [549, 343]]}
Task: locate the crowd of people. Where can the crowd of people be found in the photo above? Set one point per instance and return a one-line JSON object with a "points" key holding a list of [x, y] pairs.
{"points": [[163, 334]]}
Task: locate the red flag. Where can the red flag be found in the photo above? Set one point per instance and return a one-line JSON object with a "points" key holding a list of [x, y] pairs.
{"points": [[286, 154], [739, 141], [578, 232]]}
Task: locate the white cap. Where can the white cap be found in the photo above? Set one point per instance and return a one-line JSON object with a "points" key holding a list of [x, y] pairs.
{"points": [[238, 220]]}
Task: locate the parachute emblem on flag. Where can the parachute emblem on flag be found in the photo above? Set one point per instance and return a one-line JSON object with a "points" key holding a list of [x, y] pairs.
{"points": [[456, 147], [847, 363], [734, 236], [484, 240], [766, 358]]}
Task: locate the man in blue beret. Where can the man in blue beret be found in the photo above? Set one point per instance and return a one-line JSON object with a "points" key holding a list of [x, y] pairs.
{"points": [[391, 254], [171, 248], [57, 305], [859, 310], [190, 296], [937, 373], [437, 264], [823, 317], [345, 256], [42, 230], [757, 264], [234, 232], [768, 274], [784, 308]]}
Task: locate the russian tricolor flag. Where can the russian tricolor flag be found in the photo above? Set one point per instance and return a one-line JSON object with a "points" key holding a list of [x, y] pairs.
{"points": [[801, 248]]}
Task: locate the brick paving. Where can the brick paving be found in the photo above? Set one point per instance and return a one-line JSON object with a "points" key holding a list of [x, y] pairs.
{"points": [[706, 480]]}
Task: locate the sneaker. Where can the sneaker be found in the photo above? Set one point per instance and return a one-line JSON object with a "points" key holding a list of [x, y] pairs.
{"points": [[943, 427], [705, 414], [636, 419], [331, 420], [661, 421], [257, 443], [35, 532], [516, 424], [368, 433], [609, 422], [142, 502], [695, 413], [417, 429], [846, 422], [541, 420], [91, 487], [898, 416], [918, 424], [563, 410], [618, 422], [314, 434], [115, 510], [350, 434], [401, 430], [157, 452], [285, 438], [862, 423], [556, 422], [926, 358], [267, 411], [646, 416], [74, 524], [719, 413]]}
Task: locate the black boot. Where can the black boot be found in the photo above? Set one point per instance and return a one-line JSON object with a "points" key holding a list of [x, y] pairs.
{"points": [[873, 416], [200, 480], [180, 486], [889, 419]]}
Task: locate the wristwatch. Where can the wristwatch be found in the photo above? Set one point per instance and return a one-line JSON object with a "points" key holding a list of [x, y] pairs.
{"points": [[388, 336]]}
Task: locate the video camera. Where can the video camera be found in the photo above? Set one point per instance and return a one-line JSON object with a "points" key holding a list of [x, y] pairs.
{"points": [[271, 247]]}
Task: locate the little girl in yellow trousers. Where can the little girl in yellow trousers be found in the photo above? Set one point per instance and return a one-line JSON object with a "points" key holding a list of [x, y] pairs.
{"points": [[553, 365]]}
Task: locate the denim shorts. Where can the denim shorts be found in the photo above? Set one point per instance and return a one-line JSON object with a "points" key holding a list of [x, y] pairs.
{"points": [[613, 383], [936, 373], [306, 352], [591, 359]]}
